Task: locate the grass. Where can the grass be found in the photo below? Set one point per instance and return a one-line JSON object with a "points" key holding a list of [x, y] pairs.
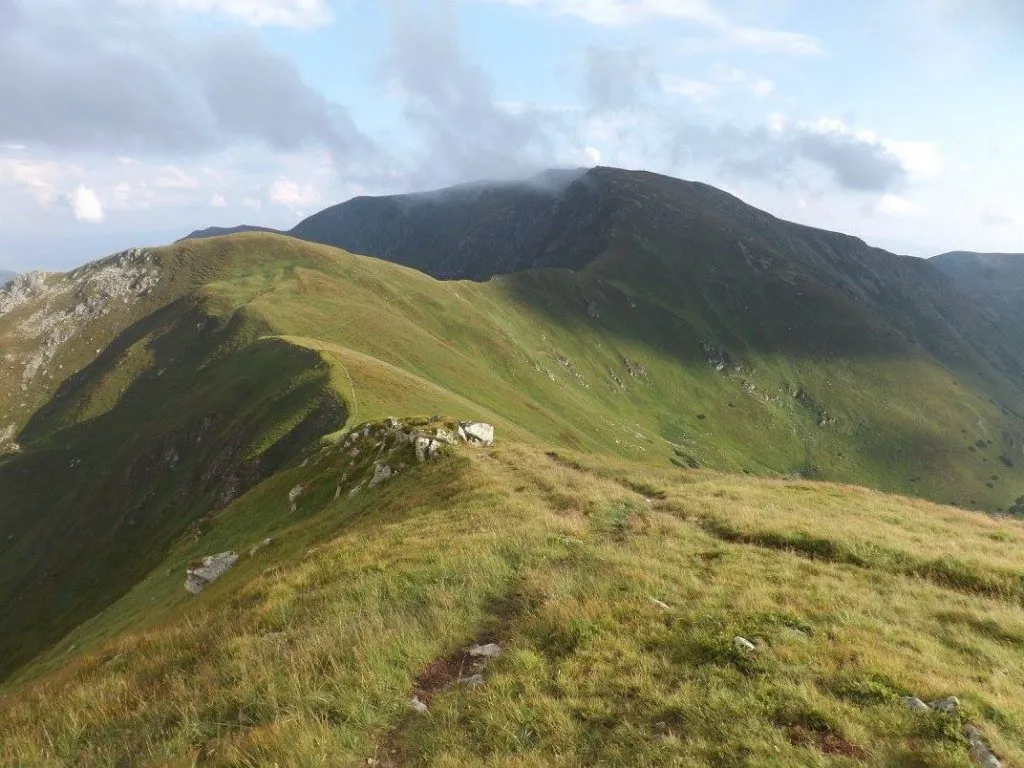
{"points": [[228, 386], [308, 652]]}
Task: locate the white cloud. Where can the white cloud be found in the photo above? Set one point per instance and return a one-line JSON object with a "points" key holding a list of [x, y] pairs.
{"points": [[86, 205], [696, 91], [921, 160], [218, 201], [252, 203], [173, 177], [291, 194], [259, 13], [761, 87], [897, 207], [41, 177], [621, 13]]}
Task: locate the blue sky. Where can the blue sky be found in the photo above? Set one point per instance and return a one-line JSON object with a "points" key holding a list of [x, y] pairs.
{"points": [[132, 122]]}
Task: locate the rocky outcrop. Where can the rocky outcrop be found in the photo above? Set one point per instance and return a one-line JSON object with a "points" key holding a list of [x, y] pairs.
{"points": [[211, 569], [980, 752]]}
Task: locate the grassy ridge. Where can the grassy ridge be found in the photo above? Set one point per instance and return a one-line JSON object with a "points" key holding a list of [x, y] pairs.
{"points": [[307, 652], [583, 360]]}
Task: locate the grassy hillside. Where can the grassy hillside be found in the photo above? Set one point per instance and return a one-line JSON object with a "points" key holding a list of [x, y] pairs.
{"points": [[615, 591], [228, 356]]}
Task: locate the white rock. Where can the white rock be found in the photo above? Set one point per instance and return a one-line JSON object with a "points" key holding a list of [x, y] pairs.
{"points": [[293, 496], [743, 644], [423, 446], [489, 651], [381, 474], [948, 706], [417, 705], [444, 436], [663, 605], [478, 432], [213, 567], [915, 704], [355, 490]]}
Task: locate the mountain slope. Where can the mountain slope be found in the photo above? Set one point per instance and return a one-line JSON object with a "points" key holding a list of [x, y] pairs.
{"points": [[147, 391], [199, 234], [615, 592], [6, 277]]}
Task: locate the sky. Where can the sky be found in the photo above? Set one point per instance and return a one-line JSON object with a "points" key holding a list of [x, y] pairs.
{"points": [[133, 122]]}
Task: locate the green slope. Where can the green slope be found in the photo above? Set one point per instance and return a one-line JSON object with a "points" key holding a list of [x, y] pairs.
{"points": [[309, 651], [250, 347]]}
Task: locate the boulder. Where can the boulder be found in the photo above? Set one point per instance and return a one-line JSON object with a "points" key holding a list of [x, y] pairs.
{"points": [[293, 496], [444, 436], [417, 705], [948, 706], [742, 644], [915, 704], [213, 567], [381, 474], [489, 651], [478, 433], [474, 681]]}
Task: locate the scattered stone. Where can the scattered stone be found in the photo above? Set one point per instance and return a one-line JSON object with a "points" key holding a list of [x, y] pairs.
{"points": [[915, 704], [663, 605], [569, 541], [213, 567], [262, 545], [293, 497], [356, 490], [424, 446], [337, 493], [980, 752], [478, 433], [444, 436], [392, 422], [948, 706], [474, 681], [417, 705], [742, 644], [592, 311], [489, 651], [381, 474]]}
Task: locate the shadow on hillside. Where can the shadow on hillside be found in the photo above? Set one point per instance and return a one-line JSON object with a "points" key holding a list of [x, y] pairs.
{"points": [[121, 462]]}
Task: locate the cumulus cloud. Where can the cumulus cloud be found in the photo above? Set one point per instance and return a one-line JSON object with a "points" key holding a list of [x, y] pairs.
{"points": [[86, 205], [218, 200], [897, 207], [292, 194], [448, 100], [178, 94]]}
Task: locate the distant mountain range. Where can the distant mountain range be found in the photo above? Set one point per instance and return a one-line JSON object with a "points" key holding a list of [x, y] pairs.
{"points": [[6, 277]]}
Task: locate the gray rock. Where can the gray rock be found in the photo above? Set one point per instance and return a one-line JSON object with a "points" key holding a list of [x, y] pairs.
{"points": [[489, 651], [948, 706], [980, 752], [474, 681], [356, 490], [664, 606], [478, 433], [213, 567], [392, 422], [444, 436], [426, 449], [742, 644], [915, 704], [381, 474], [293, 497], [417, 705]]}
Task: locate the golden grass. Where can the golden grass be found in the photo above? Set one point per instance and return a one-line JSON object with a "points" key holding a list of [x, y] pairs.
{"points": [[308, 657]]}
